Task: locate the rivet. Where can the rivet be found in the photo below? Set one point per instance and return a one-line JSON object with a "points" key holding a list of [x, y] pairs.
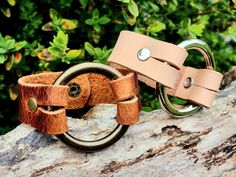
{"points": [[143, 54], [74, 89], [188, 82], [32, 104]]}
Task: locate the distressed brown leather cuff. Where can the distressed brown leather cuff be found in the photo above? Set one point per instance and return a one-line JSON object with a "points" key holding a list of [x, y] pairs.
{"points": [[37, 96]]}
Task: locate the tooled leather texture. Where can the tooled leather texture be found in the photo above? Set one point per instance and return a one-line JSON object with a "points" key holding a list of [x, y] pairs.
{"points": [[94, 89], [164, 66]]}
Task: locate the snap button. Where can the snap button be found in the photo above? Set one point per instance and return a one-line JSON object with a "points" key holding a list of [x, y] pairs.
{"points": [[32, 104], [143, 54], [188, 82]]}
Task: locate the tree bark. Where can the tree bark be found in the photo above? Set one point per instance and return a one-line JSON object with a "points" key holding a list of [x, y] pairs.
{"points": [[200, 145]]}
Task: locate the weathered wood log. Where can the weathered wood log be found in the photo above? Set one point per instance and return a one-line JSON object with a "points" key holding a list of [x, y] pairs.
{"points": [[200, 145]]}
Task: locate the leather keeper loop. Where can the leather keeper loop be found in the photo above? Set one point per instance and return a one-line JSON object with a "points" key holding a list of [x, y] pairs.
{"points": [[128, 111], [125, 90], [203, 88], [205, 78], [125, 87], [199, 95]]}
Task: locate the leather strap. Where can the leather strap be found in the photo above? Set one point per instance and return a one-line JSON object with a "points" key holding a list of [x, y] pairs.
{"points": [[165, 66], [37, 87]]}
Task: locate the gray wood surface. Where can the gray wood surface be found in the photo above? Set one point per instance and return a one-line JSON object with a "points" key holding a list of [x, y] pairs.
{"points": [[202, 145]]}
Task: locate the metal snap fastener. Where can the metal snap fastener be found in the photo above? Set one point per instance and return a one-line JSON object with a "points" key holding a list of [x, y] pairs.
{"points": [[32, 104], [74, 89], [188, 82], [143, 54]]}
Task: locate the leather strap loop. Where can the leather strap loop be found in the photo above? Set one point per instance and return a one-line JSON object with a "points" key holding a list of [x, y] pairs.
{"points": [[125, 90], [202, 90], [128, 111], [125, 87], [206, 78]]}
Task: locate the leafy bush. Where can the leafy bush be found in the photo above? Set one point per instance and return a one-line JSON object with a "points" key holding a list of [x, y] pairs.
{"points": [[53, 35]]}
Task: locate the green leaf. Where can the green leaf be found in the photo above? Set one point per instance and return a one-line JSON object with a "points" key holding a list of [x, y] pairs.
{"points": [[124, 1], [20, 45], [90, 22], [45, 55], [96, 14], [84, 3], [128, 19], [72, 54], [12, 2], [97, 28], [196, 29], [10, 44], [89, 48], [10, 63], [231, 30], [133, 8], [54, 51], [2, 41], [3, 51], [204, 19], [53, 14], [156, 27], [6, 12], [69, 24], [98, 52], [104, 20], [3, 58], [61, 39], [13, 92], [234, 1], [47, 27]]}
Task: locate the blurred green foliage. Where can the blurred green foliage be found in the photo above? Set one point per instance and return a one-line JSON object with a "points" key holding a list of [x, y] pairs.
{"points": [[53, 35]]}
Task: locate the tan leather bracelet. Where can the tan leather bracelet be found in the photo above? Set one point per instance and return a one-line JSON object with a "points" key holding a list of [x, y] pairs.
{"points": [[36, 94], [159, 62]]}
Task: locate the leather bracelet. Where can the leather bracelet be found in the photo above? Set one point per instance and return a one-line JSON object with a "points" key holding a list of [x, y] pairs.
{"points": [[156, 61], [36, 93]]}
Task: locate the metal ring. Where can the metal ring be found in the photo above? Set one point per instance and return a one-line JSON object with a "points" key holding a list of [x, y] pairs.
{"points": [[118, 131], [189, 109]]}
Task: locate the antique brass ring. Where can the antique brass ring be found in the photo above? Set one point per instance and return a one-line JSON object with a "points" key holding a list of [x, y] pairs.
{"points": [[116, 133]]}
